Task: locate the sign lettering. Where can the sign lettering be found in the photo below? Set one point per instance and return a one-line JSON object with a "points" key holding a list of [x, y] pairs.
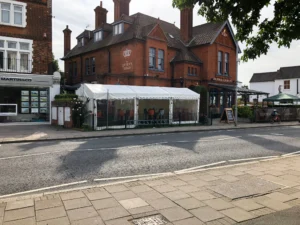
{"points": [[16, 79]]}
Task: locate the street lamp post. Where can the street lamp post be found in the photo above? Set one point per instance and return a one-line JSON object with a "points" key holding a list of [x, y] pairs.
{"points": [[236, 88]]}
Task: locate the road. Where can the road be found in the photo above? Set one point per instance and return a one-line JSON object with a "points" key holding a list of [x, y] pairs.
{"points": [[35, 165]]}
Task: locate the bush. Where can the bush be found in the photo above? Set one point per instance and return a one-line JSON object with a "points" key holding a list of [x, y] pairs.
{"points": [[65, 97], [245, 112]]}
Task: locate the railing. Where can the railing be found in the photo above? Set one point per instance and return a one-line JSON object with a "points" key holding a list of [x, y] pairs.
{"points": [[15, 65]]}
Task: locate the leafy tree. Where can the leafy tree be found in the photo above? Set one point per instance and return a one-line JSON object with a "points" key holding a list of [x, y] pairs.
{"points": [[55, 65], [282, 28]]}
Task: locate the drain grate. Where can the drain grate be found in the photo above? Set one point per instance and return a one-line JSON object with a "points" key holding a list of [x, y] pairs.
{"points": [[151, 220]]}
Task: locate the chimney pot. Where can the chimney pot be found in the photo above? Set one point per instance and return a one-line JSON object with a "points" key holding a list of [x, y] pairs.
{"points": [[100, 15], [121, 7], [67, 40], [101, 4]]}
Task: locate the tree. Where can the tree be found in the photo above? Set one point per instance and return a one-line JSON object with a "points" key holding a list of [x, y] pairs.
{"points": [[245, 15], [55, 65]]}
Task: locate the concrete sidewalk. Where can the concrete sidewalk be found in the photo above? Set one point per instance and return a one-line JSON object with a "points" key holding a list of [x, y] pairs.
{"points": [[15, 134], [225, 195]]}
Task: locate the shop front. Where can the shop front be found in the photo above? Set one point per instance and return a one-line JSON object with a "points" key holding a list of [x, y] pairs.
{"points": [[26, 98]]}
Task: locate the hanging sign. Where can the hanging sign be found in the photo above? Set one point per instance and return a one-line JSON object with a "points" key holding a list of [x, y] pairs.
{"points": [[227, 116]]}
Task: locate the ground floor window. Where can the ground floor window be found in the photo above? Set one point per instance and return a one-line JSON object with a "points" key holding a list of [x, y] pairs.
{"points": [[32, 104]]}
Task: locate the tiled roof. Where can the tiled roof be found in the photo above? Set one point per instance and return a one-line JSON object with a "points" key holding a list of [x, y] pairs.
{"points": [[263, 77], [291, 72], [141, 26]]}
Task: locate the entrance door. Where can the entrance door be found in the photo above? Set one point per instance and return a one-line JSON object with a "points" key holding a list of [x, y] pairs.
{"points": [[60, 116]]}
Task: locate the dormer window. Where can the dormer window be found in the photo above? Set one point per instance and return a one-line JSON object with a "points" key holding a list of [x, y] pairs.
{"points": [[118, 28], [98, 36], [82, 41]]}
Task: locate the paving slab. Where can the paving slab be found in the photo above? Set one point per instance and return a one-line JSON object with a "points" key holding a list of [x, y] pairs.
{"points": [[206, 214], [2, 211], [188, 188], [247, 204], [122, 221], [177, 182], [116, 188], [190, 221], [245, 188], [202, 195], [140, 188], [140, 210], [274, 204], [238, 214], [133, 203], [46, 204], [28, 221], [190, 203], [51, 213], [57, 221], [208, 178], [77, 203], [262, 212], [113, 213], [72, 195], [124, 195], [150, 195], [198, 183], [82, 213], [176, 213], [281, 197], [218, 204], [18, 214], [19, 204], [187, 177], [176, 195], [98, 195], [162, 203], [153, 183], [165, 188], [89, 221], [105, 203], [229, 178]]}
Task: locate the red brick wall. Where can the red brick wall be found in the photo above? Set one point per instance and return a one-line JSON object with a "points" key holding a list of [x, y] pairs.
{"points": [[39, 22]]}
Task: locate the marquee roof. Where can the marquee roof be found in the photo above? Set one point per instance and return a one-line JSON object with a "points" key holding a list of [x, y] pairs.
{"points": [[101, 92]]}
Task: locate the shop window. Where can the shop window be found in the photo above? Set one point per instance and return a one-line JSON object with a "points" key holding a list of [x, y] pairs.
{"points": [[118, 28], [220, 62], [287, 84], [87, 66], [12, 14], [226, 64], [93, 65], [161, 55], [152, 58]]}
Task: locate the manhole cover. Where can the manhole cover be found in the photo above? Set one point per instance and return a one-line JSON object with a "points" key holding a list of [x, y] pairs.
{"points": [[151, 220]]}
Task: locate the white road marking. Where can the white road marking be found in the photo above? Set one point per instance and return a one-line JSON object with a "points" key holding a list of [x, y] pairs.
{"points": [[249, 159], [43, 189], [132, 177], [223, 139], [198, 167], [293, 153], [277, 134]]}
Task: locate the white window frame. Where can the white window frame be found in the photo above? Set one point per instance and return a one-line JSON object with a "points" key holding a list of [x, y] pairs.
{"points": [[118, 29], [98, 36], [19, 52], [12, 13]]}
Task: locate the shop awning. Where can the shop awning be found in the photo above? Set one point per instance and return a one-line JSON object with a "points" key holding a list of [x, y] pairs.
{"points": [[101, 92], [239, 89]]}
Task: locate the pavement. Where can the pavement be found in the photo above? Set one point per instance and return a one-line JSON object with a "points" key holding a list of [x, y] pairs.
{"points": [[27, 133], [37, 165], [223, 195]]}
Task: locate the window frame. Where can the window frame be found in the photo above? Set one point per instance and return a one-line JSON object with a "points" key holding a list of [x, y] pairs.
{"points": [[3, 60], [287, 86], [87, 66], [118, 29], [161, 60], [152, 57], [226, 64], [220, 63], [93, 65], [12, 12], [98, 36], [19, 52]]}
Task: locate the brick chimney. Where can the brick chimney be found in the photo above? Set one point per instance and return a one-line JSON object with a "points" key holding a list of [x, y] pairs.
{"points": [[186, 24], [67, 40], [100, 15], [121, 7]]}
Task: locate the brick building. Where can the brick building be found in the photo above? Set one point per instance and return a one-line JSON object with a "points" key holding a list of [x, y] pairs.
{"points": [[141, 50], [26, 60]]}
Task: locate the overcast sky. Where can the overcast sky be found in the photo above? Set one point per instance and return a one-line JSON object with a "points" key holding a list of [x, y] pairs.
{"points": [[79, 15]]}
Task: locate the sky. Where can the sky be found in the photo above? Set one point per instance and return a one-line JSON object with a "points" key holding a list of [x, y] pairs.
{"points": [[80, 15]]}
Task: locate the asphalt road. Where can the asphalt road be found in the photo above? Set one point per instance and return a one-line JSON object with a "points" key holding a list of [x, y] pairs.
{"points": [[35, 165]]}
